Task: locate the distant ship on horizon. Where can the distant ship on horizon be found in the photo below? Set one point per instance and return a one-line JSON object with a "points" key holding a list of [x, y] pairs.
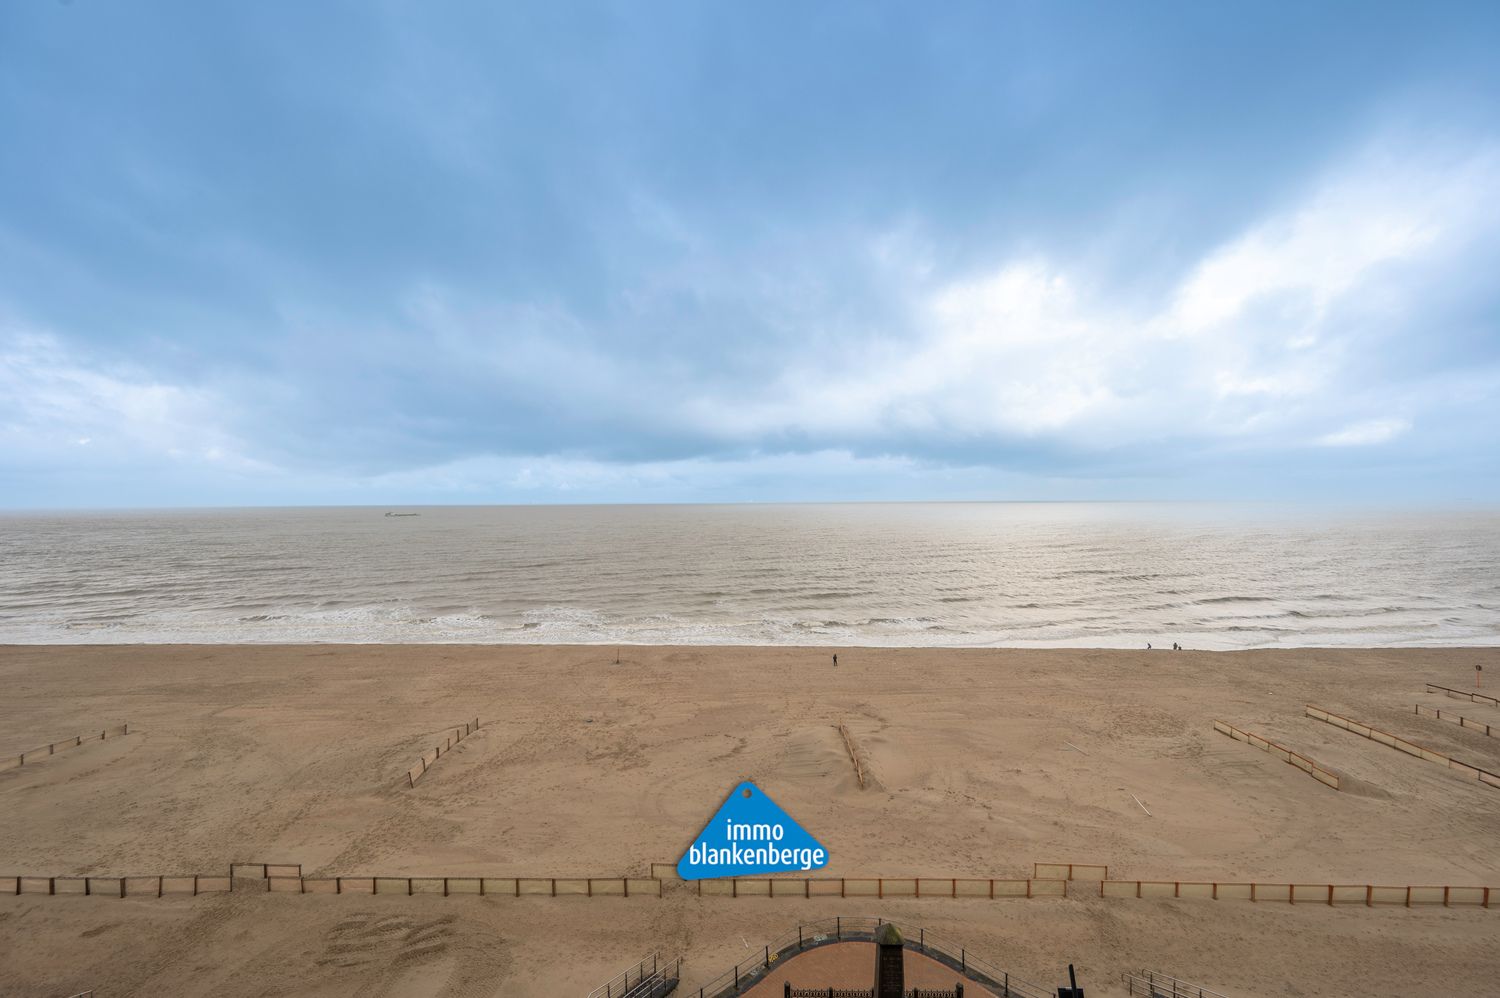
{"points": [[403, 514]]}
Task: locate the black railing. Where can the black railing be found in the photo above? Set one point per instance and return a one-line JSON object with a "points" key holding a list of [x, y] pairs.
{"points": [[1151, 985], [650, 978], [791, 992], [809, 935]]}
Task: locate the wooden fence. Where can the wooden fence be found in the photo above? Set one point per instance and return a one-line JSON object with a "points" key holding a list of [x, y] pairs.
{"points": [[1069, 871], [1459, 719], [1463, 695], [476, 886], [116, 887], [432, 755], [1302, 762], [33, 755], [287, 878], [1410, 748], [880, 887], [1368, 895]]}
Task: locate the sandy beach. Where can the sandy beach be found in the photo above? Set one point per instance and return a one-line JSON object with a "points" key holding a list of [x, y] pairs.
{"points": [[977, 763]]}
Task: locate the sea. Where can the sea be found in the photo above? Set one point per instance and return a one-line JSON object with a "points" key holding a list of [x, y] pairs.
{"points": [[1105, 575]]}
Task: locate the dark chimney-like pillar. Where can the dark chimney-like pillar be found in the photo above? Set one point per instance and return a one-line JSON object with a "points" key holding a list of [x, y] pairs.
{"points": [[890, 963]]}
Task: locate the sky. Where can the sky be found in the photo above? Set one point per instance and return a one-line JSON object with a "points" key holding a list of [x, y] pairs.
{"points": [[450, 252]]}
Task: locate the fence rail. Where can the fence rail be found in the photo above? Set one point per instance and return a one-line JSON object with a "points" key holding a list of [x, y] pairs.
{"points": [[828, 931], [51, 749], [1458, 719], [117, 887], [475, 886], [1302, 762], [1151, 985], [432, 755], [1069, 871], [881, 887], [1367, 895], [1401, 744], [287, 878], [1463, 695]]}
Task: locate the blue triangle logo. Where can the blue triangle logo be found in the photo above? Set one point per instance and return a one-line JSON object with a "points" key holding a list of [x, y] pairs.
{"points": [[750, 834]]}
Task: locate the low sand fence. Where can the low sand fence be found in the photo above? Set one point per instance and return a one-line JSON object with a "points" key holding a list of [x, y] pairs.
{"points": [[960, 887], [1069, 871], [117, 887], [44, 751], [287, 878], [880, 887], [1463, 695], [1302, 762], [1368, 895], [519, 887], [432, 755], [1458, 719], [1410, 748]]}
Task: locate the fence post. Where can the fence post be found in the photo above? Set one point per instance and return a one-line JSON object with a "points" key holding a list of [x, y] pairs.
{"points": [[768, 956]]}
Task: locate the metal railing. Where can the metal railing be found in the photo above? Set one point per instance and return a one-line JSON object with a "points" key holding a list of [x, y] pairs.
{"points": [[639, 979], [825, 932], [658, 984], [1152, 985], [644, 979]]}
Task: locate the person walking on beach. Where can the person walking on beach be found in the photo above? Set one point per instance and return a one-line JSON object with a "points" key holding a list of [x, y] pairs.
{"points": [[835, 660]]}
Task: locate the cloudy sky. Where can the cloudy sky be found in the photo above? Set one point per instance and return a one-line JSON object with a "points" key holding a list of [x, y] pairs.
{"points": [[467, 252]]}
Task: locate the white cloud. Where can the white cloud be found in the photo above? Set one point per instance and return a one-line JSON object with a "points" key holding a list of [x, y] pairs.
{"points": [[54, 399], [1372, 431], [1245, 344]]}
